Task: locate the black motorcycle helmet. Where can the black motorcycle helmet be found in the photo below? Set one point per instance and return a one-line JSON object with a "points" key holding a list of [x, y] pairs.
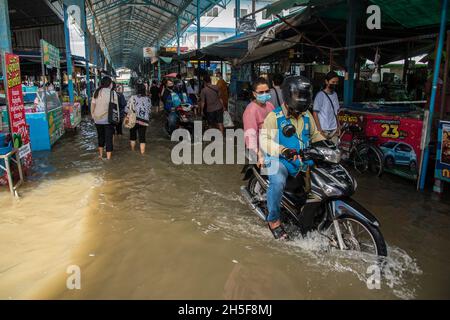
{"points": [[297, 94]]}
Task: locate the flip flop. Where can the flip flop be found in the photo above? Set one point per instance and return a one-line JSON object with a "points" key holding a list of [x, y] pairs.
{"points": [[279, 233]]}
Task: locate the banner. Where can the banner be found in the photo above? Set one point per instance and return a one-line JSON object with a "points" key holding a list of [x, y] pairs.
{"points": [[76, 10], [50, 55], [174, 49], [442, 171], [398, 137], [16, 110]]}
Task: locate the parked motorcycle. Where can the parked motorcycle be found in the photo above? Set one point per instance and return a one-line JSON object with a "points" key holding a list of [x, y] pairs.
{"points": [[326, 207]]}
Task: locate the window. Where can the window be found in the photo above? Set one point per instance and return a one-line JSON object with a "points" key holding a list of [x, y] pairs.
{"points": [[244, 12], [389, 144], [214, 12], [403, 148]]}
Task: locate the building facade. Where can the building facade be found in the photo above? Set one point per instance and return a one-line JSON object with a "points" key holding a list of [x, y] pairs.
{"points": [[220, 23]]}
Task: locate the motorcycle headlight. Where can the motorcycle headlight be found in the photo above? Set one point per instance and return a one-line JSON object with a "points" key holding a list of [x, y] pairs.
{"points": [[330, 155]]}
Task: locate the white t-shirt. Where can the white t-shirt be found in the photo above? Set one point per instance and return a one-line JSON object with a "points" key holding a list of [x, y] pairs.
{"points": [[327, 111]]}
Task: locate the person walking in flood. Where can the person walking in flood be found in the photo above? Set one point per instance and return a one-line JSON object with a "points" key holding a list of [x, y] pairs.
{"points": [[122, 104], [141, 105], [154, 93], [211, 101], [99, 111]]}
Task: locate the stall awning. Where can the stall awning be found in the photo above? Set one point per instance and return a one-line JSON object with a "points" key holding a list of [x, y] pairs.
{"points": [[406, 13]]}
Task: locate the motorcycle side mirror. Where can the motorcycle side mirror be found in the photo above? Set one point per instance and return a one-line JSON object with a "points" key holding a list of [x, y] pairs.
{"points": [[289, 130]]}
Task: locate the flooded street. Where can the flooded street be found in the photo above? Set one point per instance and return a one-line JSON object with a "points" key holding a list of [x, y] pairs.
{"points": [[140, 227]]}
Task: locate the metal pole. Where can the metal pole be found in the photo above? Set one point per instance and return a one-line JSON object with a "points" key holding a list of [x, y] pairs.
{"points": [[5, 32], [95, 60], [426, 151], [444, 85], [87, 55], [159, 61], [238, 14], [253, 9], [354, 10], [43, 77], [199, 42], [178, 44], [68, 54]]}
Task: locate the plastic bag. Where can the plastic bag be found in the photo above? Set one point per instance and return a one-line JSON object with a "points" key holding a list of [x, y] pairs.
{"points": [[227, 121]]}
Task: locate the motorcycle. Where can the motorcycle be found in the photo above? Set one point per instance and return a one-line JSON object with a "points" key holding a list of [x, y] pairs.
{"points": [[321, 202], [185, 118]]}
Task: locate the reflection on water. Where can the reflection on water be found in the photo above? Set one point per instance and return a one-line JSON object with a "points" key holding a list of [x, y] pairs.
{"points": [[142, 227]]}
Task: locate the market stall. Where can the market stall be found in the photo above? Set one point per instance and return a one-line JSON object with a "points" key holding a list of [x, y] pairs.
{"points": [[45, 114]]}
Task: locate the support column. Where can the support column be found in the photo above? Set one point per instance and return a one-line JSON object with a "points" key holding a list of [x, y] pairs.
{"points": [[68, 54], [178, 43], [426, 151], [199, 42], [159, 61], [5, 32], [95, 60], [352, 19], [87, 55], [238, 14]]}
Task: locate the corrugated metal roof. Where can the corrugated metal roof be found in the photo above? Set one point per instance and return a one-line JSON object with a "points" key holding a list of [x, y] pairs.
{"points": [[127, 26]]}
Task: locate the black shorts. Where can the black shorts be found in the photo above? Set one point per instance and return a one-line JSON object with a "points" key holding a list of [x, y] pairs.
{"points": [[214, 117], [140, 130]]}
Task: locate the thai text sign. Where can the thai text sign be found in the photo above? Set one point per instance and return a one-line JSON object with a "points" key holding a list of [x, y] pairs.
{"points": [[50, 55], [16, 110]]}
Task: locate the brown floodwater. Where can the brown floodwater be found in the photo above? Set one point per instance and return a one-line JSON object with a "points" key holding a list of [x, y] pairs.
{"points": [[140, 227]]}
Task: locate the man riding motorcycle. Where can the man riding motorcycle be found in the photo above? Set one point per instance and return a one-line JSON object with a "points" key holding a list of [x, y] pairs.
{"points": [[282, 146], [173, 97]]}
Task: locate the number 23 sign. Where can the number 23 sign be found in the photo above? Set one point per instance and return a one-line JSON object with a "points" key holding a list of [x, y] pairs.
{"points": [[395, 128]]}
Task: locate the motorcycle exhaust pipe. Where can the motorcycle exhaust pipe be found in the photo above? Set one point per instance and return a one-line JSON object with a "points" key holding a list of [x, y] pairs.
{"points": [[248, 197]]}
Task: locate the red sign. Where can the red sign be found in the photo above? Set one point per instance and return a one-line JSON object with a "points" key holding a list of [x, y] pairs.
{"points": [[396, 129], [19, 129], [399, 139]]}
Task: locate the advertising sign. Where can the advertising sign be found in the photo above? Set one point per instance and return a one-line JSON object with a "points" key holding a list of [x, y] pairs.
{"points": [[398, 137], [247, 25], [50, 55], [16, 110], [19, 130], [442, 171]]}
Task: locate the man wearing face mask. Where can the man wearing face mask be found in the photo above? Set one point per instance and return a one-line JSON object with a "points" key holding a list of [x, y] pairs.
{"points": [[326, 108], [254, 116], [172, 98], [282, 148]]}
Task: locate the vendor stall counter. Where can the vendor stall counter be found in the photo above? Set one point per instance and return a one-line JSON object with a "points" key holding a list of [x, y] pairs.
{"points": [[45, 118]]}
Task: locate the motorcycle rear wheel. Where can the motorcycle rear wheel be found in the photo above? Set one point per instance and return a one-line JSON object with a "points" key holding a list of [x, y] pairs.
{"points": [[359, 235]]}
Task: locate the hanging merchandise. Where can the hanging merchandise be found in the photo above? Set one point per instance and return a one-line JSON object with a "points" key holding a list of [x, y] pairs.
{"points": [[376, 77]]}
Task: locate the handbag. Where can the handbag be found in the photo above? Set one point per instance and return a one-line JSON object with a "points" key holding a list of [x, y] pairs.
{"points": [[227, 121], [130, 119], [113, 111]]}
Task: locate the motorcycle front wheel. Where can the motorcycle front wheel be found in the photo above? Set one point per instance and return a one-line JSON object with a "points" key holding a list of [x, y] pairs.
{"points": [[357, 235]]}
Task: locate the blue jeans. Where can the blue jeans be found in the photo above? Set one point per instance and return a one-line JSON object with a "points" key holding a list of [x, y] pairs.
{"points": [[173, 120], [277, 182]]}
